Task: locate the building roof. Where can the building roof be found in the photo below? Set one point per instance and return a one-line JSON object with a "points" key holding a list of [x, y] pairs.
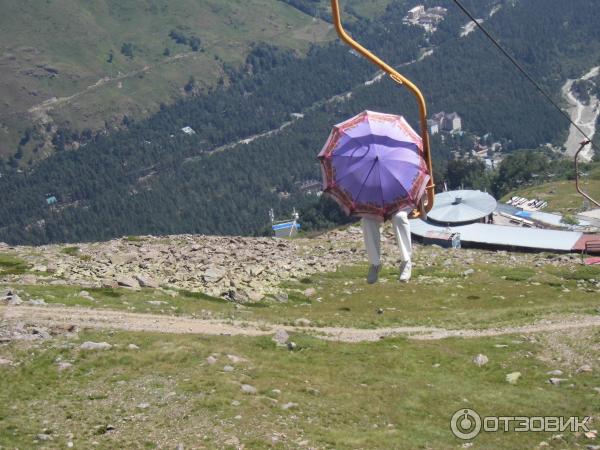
{"points": [[505, 236], [462, 206], [285, 225]]}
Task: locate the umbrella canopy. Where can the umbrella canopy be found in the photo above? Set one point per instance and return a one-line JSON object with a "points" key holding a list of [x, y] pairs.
{"points": [[373, 165], [462, 206]]}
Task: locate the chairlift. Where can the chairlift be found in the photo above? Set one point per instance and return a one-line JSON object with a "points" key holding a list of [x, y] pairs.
{"points": [[401, 80]]}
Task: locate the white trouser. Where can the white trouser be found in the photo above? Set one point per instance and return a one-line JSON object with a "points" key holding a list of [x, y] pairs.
{"points": [[371, 234]]}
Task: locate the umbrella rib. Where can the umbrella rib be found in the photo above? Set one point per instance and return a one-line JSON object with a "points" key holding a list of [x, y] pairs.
{"points": [[366, 178], [381, 188]]}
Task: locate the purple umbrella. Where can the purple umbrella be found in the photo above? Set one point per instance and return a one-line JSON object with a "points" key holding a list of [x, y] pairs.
{"points": [[373, 165]]}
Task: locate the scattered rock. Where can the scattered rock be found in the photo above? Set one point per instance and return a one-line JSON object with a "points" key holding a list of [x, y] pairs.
{"points": [[213, 274], [11, 298], [29, 279], [236, 359], [379, 310], [289, 405], [556, 381], [36, 302], [302, 322], [146, 282], [480, 360], [291, 346], [109, 284], [5, 362], [248, 389], [95, 346], [64, 366], [555, 373], [128, 282], [281, 337], [310, 292], [468, 272], [513, 377], [156, 302], [133, 347], [228, 368], [211, 360], [592, 434], [281, 297], [44, 437], [586, 368], [254, 270], [143, 406]]}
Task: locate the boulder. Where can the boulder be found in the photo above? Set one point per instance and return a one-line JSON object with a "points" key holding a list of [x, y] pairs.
{"points": [[480, 360], [95, 346], [128, 282], [213, 274], [248, 389], [302, 322], [147, 282], [281, 337]]}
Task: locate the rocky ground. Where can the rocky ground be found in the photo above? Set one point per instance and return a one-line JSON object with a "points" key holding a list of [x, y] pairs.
{"points": [[236, 268]]}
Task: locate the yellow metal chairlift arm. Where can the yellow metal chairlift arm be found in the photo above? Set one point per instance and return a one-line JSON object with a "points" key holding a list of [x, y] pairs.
{"points": [[400, 79]]}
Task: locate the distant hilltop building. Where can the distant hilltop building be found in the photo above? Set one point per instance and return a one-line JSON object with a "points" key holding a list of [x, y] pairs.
{"points": [[188, 130], [425, 18], [450, 123]]}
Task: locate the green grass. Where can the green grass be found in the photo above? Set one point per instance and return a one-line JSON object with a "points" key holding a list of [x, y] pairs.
{"points": [[562, 197], [391, 394], [10, 265], [71, 251], [186, 303]]}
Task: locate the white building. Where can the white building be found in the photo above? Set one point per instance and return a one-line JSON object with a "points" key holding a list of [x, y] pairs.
{"points": [[188, 130], [450, 123], [434, 127], [416, 12]]}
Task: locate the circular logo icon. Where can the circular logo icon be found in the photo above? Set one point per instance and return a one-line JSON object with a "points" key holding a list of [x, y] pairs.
{"points": [[465, 424]]}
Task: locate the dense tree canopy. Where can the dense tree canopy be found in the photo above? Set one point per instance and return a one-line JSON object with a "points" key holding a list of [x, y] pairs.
{"points": [[153, 178]]}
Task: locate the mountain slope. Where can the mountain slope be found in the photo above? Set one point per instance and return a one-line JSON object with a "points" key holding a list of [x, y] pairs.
{"points": [[151, 178], [77, 64]]}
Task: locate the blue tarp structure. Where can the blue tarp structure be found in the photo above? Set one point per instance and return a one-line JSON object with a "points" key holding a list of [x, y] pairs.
{"points": [[286, 225]]}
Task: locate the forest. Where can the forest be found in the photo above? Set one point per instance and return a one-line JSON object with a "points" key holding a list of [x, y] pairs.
{"points": [[151, 178]]}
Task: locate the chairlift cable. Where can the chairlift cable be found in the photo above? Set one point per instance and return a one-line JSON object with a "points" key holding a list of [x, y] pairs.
{"points": [[523, 71]]}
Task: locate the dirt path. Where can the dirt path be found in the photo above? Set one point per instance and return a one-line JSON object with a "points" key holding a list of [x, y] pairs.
{"points": [[109, 319], [54, 102], [583, 115]]}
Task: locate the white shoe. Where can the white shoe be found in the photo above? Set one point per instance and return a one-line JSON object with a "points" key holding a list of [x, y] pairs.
{"points": [[405, 271], [373, 273]]}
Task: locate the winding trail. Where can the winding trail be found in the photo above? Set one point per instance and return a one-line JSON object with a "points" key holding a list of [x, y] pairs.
{"points": [[54, 102], [118, 320]]}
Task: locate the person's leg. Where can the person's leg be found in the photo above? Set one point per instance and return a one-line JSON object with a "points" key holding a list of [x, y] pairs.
{"points": [[401, 227], [372, 238]]}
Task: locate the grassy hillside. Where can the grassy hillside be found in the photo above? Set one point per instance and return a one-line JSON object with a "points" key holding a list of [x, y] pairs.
{"points": [[562, 195], [171, 386], [62, 49]]}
